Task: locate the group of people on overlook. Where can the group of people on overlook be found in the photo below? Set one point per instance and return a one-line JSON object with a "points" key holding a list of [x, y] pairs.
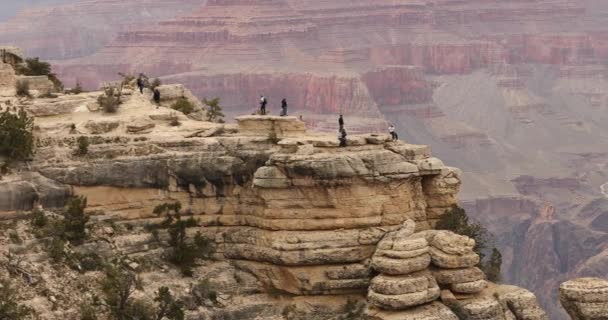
{"points": [[341, 131], [141, 83], [264, 103]]}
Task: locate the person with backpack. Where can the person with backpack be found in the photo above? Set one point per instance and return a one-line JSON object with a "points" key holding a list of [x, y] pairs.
{"points": [[342, 137], [284, 108], [391, 130], [263, 103]]}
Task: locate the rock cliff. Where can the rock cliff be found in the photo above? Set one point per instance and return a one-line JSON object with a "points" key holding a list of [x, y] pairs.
{"points": [[297, 227]]}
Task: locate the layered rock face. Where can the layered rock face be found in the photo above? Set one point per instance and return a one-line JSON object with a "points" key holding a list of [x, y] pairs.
{"points": [[512, 91], [300, 213], [292, 219]]}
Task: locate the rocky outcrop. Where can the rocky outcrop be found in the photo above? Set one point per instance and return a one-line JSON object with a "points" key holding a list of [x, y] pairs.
{"points": [[23, 192], [437, 267], [585, 298]]}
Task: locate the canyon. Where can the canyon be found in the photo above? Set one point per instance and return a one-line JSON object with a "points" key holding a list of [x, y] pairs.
{"points": [[294, 226], [512, 92]]}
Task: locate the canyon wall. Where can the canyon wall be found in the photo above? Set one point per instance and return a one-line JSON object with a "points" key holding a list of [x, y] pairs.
{"points": [[511, 91]]}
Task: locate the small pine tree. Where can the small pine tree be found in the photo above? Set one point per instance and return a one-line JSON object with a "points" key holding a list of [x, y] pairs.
{"points": [[492, 267], [16, 135], [183, 252], [75, 219], [457, 221], [77, 89], [108, 101], [168, 307], [214, 111], [83, 146], [117, 287]]}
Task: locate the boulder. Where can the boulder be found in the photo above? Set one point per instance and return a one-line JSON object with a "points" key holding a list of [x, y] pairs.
{"points": [[585, 298], [482, 308], [101, 126], [521, 303], [453, 261], [26, 190], [140, 125]]}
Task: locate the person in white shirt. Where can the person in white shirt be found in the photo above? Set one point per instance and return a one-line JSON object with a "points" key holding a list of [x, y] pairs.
{"points": [[263, 103], [391, 130]]}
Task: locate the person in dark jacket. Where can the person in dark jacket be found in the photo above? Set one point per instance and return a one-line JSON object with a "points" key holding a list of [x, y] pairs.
{"points": [[156, 96], [342, 137], [341, 122], [284, 108], [140, 84]]}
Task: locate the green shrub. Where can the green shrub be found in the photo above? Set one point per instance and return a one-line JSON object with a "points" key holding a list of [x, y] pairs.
{"points": [[56, 250], [35, 67], [39, 219], [183, 105], [183, 252], [117, 288], [77, 89], [203, 291], [83, 146], [457, 221], [90, 262], [9, 308], [140, 310], [214, 110], [492, 267], [167, 306], [16, 135], [108, 101], [22, 88], [75, 219], [88, 312], [14, 237]]}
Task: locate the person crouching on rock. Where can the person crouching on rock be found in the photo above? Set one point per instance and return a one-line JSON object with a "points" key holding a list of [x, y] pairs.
{"points": [[391, 130], [156, 97], [342, 137], [263, 103], [284, 108]]}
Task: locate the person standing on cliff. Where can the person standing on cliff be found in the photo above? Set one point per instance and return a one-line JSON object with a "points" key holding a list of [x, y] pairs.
{"points": [[156, 97], [284, 108], [140, 83], [391, 130], [341, 122], [342, 137], [263, 103]]}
